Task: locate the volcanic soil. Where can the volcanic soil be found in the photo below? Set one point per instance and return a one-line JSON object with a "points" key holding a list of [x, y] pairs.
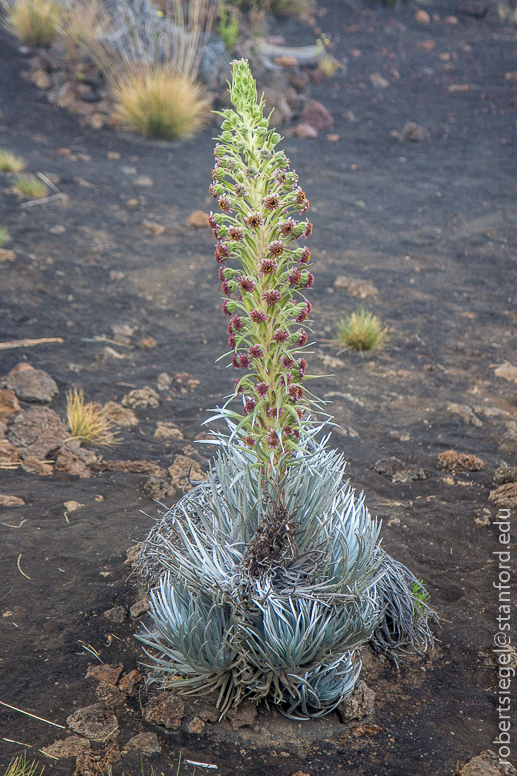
{"points": [[431, 225]]}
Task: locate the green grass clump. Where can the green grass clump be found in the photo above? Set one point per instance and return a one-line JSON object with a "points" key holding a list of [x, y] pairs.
{"points": [[30, 187], [34, 22], [9, 162], [362, 331], [20, 767], [4, 236]]}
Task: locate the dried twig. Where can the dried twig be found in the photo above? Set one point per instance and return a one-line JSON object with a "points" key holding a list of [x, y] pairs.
{"points": [[41, 719], [12, 741], [29, 343], [20, 569], [57, 194]]}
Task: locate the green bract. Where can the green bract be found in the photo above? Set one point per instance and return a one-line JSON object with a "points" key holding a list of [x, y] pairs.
{"points": [[257, 233]]}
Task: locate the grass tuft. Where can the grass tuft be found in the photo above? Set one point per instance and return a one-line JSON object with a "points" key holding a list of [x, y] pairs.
{"points": [[160, 103], [10, 163], [88, 421], [34, 22], [284, 8], [30, 187], [4, 236], [20, 767], [362, 331]]}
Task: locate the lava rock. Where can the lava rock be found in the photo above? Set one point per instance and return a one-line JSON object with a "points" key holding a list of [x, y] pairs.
{"points": [[361, 289], [196, 726], [158, 488], [166, 709], [505, 496], [122, 416], [96, 722], [31, 384], [128, 682], [396, 471], [505, 474], [245, 715], [142, 398], [359, 704], [117, 614], [146, 743], [37, 432], [105, 672], [67, 747], [317, 115], [487, 764], [450, 460]]}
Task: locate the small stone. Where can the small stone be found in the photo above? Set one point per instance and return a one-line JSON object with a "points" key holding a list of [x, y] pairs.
{"points": [[158, 488], [105, 672], [245, 715], [505, 474], [427, 45], [507, 371], [96, 722], [109, 695], [166, 709], [378, 81], [465, 413], [487, 764], [133, 552], [359, 704], [349, 115], [306, 131], [41, 79], [422, 17], [11, 501], [365, 730], [8, 452], [113, 155], [148, 342], [6, 255], [116, 614], [31, 384], [458, 88], [198, 219], [33, 465], [332, 138], [9, 404], [317, 115], [300, 773], [146, 743], [72, 506], [165, 429], [505, 496], [136, 467], [196, 726], [184, 469], [152, 227], [413, 133], [451, 460], [164, 381], [139, 609], [361, 289], [120, 415], [143, 180], [398, 472], [67, 747], [451, 20], [128, 682], [71, 463], [286, 61], [142, 397]]}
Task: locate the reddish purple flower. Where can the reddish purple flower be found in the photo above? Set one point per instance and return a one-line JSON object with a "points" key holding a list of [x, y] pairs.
{"points": [[299, 197], [302, 366], [220, 273], [249, 440], [287, 362], [306, 206], [294, 277], [303, 338], [272, 438], [309, 281], [236, 323], [221, 252], [225, 308], [240, 190], [272, 202], [247, 284], [295, 392], [287, 227], [300, 413], [267, 266], [302, 315], [290, 431], [244, 361], [249, 406], [211, 191], [255, 351], [272, 412], [258, 316], [235, 361], [305, 257], [272, 297], [261, 388], [237, 386], [225, 288], [236, 234], [225, 204], [253, 220], [281, 335], [308, 229], [276, 248], [231, 340]]}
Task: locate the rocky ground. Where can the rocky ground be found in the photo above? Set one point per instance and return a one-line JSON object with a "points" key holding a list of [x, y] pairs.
{"points": [[422, 232]]}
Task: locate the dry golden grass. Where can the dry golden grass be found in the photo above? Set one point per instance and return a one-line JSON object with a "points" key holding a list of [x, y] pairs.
{"points": [[329, 65], [10, 163], [34, 22], [160, 103], [362, 331], [85, 22], [88, 421], [30, 187], [20, 767], [285, 8], [4, 236]]}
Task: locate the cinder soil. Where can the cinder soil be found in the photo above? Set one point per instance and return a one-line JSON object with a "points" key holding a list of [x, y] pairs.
{"points": [[431, 225]]}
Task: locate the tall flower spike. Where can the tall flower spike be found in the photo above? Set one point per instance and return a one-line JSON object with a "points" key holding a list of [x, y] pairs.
{"points": [[257, 234]]}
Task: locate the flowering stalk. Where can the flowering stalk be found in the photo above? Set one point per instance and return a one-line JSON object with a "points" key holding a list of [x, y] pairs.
{"points": [[264, 273]]}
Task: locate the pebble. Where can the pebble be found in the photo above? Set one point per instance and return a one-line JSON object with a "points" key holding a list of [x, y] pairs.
{"points": [[29, 384], [317, 115], [146, 743], [306, 131], [96, 722], [422, 17], [117, 614], [11, 501], [196, 726], [198, 219], [143, 398], [166, 709], [37, 432], [139, 609]]}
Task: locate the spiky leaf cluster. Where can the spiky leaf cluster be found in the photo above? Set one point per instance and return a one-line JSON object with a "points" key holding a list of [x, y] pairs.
{"points": [[291, 631], [264, 273]]}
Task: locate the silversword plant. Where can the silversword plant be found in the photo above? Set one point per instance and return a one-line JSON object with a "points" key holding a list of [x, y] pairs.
{"points": [[268, 578]]}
